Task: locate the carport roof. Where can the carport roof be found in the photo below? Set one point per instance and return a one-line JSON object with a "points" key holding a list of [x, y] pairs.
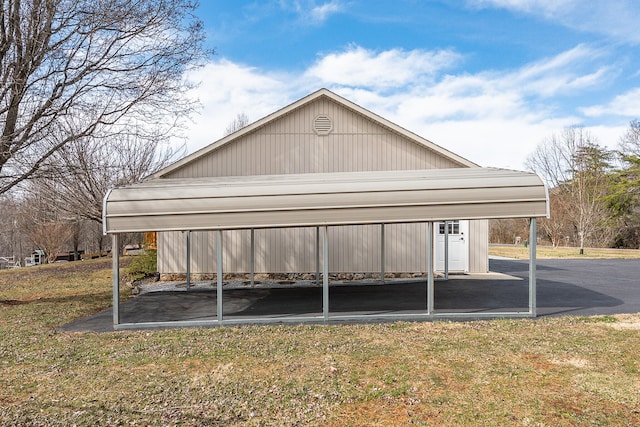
{"points": [[269, 201]]}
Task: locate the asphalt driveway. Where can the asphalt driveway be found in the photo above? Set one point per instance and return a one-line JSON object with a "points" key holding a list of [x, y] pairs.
{"points": [[564, 287]]}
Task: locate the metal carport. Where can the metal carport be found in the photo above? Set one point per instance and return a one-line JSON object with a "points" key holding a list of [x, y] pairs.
{"points": [[323, 200]]}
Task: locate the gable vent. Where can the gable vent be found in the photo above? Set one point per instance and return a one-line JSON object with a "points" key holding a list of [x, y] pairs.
{"points": [[322, 125]]}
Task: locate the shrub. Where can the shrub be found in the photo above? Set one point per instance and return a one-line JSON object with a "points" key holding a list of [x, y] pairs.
{"points": [[143, 265]]}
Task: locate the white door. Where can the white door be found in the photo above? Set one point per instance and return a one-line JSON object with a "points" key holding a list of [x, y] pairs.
{"points": [[458, 238]]}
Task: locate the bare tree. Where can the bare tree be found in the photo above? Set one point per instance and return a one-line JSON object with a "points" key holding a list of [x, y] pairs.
{"points": [[70, 70], [576, 167], [51, 237], [630, 141], [45, 227], [240, 121], [507, 230], [13, 241], [86, 170], [558, 228]]}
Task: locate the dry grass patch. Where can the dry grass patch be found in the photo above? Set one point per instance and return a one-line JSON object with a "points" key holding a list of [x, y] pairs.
{"points": [[548, 252], [626, 322], [560, 371]]}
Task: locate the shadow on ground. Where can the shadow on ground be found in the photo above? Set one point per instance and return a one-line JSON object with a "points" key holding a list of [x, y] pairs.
{"points": [[579, 287]]}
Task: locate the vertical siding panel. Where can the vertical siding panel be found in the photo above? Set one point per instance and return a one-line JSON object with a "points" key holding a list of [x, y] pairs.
{"points": [[247, 156], [378, 152], [415, 157], [228, 249], [201, 248], [478, 246], [392, 249], [318, 153], [334, 248], [220, 164], [272, 155], [275, 254], [260, 264], [178, 253], [358, 153], [197, 255], [267, 251], [208, 246], [369, 246], [234, 164], [165, 255], [309, 249], [390, 149], [211, 167], [242, 157], [300, 252], [263, 155]]}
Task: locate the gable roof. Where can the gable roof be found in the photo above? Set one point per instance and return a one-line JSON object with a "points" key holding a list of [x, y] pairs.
{"points": [[299, 104]]}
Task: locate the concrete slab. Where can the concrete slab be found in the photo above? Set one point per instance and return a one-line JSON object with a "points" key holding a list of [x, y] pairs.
{"points": [[577, 287]]}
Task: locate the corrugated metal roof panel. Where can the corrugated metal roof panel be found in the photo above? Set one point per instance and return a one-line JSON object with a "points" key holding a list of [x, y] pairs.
{"points": [[319, 199]]}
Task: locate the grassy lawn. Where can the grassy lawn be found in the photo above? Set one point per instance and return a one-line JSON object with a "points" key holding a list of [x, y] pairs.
{"points": [[547, 372], [520, 252]]}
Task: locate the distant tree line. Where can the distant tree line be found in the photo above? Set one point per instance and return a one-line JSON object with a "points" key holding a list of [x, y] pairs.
{"points": [[63, 211], [91, 93], [594, 192]]}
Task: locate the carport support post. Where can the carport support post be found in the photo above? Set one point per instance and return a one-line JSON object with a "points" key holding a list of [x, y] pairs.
{"points": [[325, 273], [382, 253], [446, 250], [219, 274], [532, 267], [430, 268], [317, 255], [188, 259], [115, 255], [253, 257]]}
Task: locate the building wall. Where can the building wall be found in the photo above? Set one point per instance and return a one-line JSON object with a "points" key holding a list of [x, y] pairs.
{"points": [[289, 145]]}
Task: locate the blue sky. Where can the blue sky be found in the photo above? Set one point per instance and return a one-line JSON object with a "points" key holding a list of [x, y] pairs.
{"points": [[487, 79]]}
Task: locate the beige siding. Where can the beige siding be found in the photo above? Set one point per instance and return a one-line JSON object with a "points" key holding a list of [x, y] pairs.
{"points": [[351, 249], [288, 145], [478, 246]]}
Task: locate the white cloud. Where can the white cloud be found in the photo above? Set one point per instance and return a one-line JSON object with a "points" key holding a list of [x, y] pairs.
{"points": [[494, 142], [544, 7], [568, 71], [361, 67], [322, 12], [626, 104], [310, 12], [494, 118], [612, 18], [227, 89], [520, 93]]}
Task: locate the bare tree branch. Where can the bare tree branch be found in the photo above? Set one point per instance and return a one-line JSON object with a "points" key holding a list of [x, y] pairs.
{"points": [[102, 65], [575, 167], [83, 170], [240, 121]]}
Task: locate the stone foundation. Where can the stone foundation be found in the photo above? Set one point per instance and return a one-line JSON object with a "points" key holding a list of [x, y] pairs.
{"points": [[287, 277]]}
